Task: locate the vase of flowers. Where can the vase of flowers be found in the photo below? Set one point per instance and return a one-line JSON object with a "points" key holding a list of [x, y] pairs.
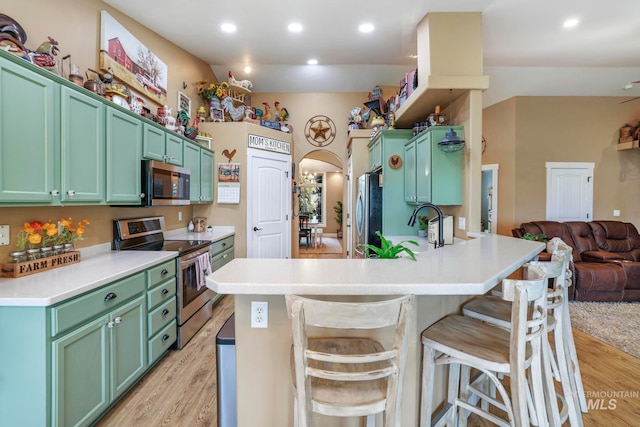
{"points": [[41, 240], [423, 226], [212, 93]]}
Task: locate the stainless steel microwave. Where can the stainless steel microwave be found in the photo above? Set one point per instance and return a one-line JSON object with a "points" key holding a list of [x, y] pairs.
{"points": [[164, 184]]}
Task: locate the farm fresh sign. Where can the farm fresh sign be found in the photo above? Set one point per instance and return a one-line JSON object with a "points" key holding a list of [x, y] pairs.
{"points": [[269, 144]]}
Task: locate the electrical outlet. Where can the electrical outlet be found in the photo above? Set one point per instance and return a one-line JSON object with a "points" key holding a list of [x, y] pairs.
{"points": [[616, 212], [179, 216], [462, 223], [259, 314], [4, 235]]}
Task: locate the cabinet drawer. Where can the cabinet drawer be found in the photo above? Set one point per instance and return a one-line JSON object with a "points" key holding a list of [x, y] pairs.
{"points": [[161, 342], [162, 315], [221, 259], [161, 293], [160, 273], [83, 308], [221, 245]]}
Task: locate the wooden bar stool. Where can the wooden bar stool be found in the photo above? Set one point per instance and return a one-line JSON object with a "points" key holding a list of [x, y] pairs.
{"points": [[351, 376], [494, 310], [464, 343]]}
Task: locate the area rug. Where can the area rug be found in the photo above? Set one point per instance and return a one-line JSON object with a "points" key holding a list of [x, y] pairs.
{"points": [[616, 323]]}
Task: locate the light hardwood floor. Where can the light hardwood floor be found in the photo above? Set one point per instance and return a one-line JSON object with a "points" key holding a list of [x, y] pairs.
{"points": [[181, 389]]}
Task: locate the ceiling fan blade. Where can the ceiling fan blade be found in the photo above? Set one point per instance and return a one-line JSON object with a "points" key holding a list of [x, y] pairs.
{"points": [[629, 100]]}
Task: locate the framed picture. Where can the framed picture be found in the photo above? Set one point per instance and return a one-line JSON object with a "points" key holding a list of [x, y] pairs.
{"points": [[184, 103], [217, 114], [130, 61]]}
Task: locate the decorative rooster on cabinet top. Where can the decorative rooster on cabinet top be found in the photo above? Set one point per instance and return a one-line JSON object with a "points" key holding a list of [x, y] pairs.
{"points": [[281, 113], [44, 55], [242, 83]]}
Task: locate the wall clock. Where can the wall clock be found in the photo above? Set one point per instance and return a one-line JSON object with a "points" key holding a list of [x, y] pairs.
{"points": [[320, 130]]}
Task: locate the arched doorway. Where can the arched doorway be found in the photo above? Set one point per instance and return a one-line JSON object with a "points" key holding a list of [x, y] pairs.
{"points": [[320, 186]]}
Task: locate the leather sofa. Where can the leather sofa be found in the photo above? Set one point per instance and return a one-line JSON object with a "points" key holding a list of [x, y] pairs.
{"points": [[606, 257]]}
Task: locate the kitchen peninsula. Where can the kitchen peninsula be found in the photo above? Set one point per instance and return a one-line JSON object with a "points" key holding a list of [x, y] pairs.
{"points": [[441, 278]]}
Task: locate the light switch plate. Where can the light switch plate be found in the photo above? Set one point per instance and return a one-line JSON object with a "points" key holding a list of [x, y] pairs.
{"points": [[462, 223], [616, 212], [4, 235]]}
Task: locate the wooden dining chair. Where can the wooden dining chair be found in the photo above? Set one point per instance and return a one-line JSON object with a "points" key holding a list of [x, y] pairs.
{"points": [[303, 229], [463, 343], [354, 376]]}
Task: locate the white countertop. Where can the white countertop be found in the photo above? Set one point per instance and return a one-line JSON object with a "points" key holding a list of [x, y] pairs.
{"points": [[99, 265], [469, 267]]}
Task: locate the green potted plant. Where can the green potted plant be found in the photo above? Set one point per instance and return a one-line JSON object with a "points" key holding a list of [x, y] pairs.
{"points": [[388, 250], [338, 210], [541, 237]]}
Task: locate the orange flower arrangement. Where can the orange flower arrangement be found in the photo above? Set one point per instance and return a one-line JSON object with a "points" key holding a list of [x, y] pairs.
{"points": [[35, 234]]}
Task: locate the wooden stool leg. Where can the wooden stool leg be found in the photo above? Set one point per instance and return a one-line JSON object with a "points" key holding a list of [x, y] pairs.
{"points": [[426, 399], [572, 359]]}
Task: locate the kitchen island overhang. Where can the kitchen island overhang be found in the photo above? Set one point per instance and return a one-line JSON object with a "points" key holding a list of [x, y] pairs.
{"points": [[471, 267], [443, 279]]}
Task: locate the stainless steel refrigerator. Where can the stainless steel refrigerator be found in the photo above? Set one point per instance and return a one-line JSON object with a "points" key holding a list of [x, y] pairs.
{"points": [[368, 212]]}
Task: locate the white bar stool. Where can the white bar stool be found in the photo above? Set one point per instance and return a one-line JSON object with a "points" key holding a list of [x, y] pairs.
{"points": [[464, 343], [352, 376]]}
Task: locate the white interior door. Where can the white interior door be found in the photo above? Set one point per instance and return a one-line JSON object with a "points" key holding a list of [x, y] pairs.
{"points": [[268, 205], [569, 191]]}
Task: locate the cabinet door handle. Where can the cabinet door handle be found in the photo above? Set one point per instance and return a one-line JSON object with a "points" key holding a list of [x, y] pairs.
{"points": [[225, 255], [165, 312], [164, 292], [165, 337], [71, 193], [110, 296], [164, 272], [118, 319], [142, 195], [54, 192], [110, 324], [225, 244]]}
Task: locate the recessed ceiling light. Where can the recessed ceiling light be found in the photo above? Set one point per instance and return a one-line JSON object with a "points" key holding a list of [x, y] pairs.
{"points": [[295, 27], [312, 62], [366, 28], [571, 23], [247, 69], [228, 28]]}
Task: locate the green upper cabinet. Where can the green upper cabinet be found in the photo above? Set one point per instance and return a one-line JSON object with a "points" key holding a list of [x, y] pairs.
{"points": [[375, 153], [410, 171], [437, 177], [199, 161], [206, 176], [124, 152], [159, 144], [27, 135], [82, 143]]}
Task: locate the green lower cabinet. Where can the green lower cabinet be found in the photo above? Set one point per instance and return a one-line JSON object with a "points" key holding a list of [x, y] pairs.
{"points": [[96, 363], [128, 349], [80, 383]]}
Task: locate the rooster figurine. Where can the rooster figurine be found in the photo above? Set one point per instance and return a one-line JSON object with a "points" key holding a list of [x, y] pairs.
{"points": [[266, 114], [229, 154], [281, 113], [44, 55], [236, 113], [242, 83], [183, 120]]}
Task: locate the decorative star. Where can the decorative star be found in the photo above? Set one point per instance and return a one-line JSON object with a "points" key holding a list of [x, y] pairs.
{"points": [[319, 131]]}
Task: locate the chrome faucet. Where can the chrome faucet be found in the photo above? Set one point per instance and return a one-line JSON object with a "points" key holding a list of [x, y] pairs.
{"points": [[412, 221]]}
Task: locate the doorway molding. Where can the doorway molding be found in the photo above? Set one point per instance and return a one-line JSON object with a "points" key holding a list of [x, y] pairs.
{"points": [[493, 168]]}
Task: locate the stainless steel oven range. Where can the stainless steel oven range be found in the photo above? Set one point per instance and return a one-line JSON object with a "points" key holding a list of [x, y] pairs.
{"points": [[194, 299]]}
